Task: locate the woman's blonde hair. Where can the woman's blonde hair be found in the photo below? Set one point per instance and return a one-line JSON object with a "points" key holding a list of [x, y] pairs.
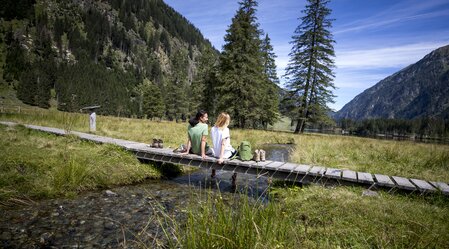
{"points": [[223, 120]]}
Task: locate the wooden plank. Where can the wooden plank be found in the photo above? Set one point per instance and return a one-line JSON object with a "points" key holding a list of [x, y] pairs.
{"points": [[47, 129], [132, 146], [8, 123], [333, 173], [443, 187], [263, 164], [288, 167], [423, 185], [349, 175], [317, 171], [247, 164], [384, 181], [364, 177], [188, 156], [234, 162], [403, 183], [302, 169], [274, 165]]}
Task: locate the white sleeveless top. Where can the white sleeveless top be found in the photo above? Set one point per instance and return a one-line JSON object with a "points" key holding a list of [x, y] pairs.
{"points": [[217, 136]]}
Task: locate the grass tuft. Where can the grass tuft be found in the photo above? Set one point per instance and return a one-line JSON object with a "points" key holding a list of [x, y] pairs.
{"points": [[37, 165]]}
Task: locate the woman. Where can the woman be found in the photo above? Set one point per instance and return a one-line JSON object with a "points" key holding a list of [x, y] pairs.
{"points": [[221, 138], [197, 132]]}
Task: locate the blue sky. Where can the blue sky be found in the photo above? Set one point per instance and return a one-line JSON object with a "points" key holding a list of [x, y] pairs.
{"points": [[374, 38]]}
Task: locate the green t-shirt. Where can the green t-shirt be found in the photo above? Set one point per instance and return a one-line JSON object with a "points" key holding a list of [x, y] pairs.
{"points": [[195, 135]]}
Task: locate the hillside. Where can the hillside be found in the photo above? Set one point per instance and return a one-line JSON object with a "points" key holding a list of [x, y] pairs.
{"points": [[134, 58], [419, 90]]}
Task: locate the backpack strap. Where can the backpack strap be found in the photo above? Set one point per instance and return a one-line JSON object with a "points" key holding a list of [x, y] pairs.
{"points": [[236, 154]]}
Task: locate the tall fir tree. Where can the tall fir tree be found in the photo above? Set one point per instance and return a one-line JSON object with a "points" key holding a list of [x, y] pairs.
{"points": [[270, 110], [152, 102], [176, 88], [203, 87], [310, 69], [241, 76]]}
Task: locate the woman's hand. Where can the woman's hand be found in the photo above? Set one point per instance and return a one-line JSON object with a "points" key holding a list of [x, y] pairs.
{"points": [[203, 156], [220, 161]]}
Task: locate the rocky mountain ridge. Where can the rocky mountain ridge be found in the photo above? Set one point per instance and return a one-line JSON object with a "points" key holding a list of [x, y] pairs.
{"points": [[419, 90]]}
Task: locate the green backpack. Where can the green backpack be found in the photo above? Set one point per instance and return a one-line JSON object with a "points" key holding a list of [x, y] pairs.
{"points": [[244, 151]]}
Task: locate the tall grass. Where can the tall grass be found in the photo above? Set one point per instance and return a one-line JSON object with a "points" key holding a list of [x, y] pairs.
{"points": [[312, 217], [35, 164], [401, 158]]}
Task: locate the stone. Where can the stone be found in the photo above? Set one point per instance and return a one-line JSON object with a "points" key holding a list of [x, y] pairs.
{"points": [[110, 193], [369, 193], [109, 225]]}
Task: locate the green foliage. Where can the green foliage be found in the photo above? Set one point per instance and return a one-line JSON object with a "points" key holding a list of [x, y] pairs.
{"points": [[243, 77], [309, 72], [203, 88], [72, 48], [109, 88], [270, 108], [15, 62], [153, 104]]}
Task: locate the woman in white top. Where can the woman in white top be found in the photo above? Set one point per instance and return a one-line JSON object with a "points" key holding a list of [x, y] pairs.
{"points": [[221, 138]]}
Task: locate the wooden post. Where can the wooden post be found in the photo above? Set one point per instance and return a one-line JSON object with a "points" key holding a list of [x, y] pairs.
{"points": [[92, 122]]}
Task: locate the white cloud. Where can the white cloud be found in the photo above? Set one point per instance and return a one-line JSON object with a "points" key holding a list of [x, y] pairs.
{"points": [[402, 12], [385, 57]]}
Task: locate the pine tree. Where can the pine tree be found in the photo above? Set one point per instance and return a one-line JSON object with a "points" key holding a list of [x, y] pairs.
{"points": [[241, 69], [270, 110], [309, 72], [176, 88], [202, 89], [152, 103], [15, 62]]}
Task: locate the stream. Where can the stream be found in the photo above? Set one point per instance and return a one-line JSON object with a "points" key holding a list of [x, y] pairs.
{"points": [[125, 216]]}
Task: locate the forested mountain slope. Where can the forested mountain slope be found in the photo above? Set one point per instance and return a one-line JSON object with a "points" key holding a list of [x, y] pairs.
{"points": [[417, 91], [134, 58]]}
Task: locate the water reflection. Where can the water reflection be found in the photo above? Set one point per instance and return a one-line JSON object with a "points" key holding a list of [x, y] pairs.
{"points": [[278, 152], [253, 185]]}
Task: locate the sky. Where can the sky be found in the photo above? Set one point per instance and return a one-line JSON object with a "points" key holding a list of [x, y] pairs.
{"points": [[374, 38]]}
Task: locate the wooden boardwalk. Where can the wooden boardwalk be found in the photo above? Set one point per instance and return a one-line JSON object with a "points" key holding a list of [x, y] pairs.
{"points": [[280, 170]]}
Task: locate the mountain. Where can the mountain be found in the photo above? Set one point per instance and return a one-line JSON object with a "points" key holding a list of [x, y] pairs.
{"points": [[419, 90], [134, 58]]}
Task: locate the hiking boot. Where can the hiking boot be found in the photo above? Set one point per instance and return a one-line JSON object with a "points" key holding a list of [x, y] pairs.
{"points": [[155, 143], [256, 156], [262, 155], [160, 143]]}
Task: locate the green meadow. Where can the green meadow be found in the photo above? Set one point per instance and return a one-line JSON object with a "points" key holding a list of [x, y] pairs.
{"points": [[36, 165], [400, 158]]}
